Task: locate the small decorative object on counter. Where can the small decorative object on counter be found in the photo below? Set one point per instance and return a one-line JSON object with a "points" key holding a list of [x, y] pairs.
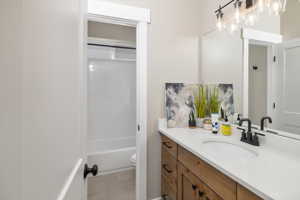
{"points": [[226, 127], [237, 118], [215, 123], [192, 121], [207, 124], [199, 122]]}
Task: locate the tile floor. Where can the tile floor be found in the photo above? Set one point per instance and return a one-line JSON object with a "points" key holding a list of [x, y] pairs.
{"points": [[117, 186]]}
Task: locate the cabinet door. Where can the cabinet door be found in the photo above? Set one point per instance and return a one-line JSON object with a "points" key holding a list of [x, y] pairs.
{"points": [[191, 187], [187, 186], [166, 190], [189, 190], [218, 182], [169, 168]]}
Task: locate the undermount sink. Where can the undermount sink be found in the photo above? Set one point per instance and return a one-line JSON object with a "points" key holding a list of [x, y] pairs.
{"points": [[224, 149]]}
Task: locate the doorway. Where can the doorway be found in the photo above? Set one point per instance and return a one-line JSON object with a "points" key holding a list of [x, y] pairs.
{"points": [[131, 51], [112, 110]]}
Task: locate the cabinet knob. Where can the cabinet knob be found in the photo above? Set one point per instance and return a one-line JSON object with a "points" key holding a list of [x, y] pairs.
{"points": [[167, 145], [200, 193], [194, 187], [166, 168]]}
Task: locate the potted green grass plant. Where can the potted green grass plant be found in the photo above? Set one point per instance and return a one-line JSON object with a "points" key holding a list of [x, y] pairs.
{"points": [[214, 102], [201, 105]]}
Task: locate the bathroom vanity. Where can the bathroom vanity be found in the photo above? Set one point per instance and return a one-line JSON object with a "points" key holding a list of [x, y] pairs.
{"points": [[197, 165], [187, 177]]}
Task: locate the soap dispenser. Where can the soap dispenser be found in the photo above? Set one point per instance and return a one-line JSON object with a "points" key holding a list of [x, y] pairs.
{"points": [[226, 127]]}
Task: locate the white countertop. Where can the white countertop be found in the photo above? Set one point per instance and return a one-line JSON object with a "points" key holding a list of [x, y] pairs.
{"points": [[273, 174]]}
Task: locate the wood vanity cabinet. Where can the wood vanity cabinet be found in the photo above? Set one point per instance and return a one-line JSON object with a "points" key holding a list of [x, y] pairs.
{"points": [[187, 177], [168, 169]]}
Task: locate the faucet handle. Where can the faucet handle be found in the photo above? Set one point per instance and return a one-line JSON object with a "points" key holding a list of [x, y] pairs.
{"points": [[255, 140], [244, 136], [258, 133], [242, 129]]}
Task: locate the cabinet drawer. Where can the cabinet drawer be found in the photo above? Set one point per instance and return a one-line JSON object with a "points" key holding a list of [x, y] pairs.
{"points": [[169, 145], [169, 168], [245, 194], [218, 182], [166, 190], [192, 188]]}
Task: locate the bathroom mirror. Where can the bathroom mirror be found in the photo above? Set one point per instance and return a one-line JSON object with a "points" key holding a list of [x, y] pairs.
{"points": [[263, 63], [273, 74]]}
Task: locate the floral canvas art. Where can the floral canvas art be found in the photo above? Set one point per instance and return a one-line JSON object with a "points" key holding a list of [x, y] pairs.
{"points": [[180, 101]]}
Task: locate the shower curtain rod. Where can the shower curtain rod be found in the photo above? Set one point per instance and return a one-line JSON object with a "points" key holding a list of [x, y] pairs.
{"points": [[103, 45]]}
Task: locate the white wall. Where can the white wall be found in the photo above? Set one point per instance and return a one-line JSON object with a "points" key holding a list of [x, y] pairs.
{"points": [[111, 31], [290, 20], [221, 61], [10, 101]]}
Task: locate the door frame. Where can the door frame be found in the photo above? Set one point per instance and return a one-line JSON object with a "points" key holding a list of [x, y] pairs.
{"points": [[269, 70], [106, 12], [259, 37]]}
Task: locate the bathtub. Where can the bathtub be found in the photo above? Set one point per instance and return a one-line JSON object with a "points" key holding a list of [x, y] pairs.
{"points": [[111, 155]]}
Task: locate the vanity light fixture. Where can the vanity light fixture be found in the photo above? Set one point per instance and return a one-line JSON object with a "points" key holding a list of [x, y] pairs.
{"points": [[261, 5], [220, 14], [246, 12], [276, 6], [237, 6]]}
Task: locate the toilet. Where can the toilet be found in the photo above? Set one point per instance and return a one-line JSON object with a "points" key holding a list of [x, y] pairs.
{"points": [[133, 160]]}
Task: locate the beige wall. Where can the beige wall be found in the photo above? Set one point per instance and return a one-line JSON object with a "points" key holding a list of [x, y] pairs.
{"points": [[173, 57], [111, 31], [290, 27], [10, 82]]}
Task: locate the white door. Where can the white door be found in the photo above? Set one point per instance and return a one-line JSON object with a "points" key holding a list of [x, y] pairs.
{"points": [[43, 103], [287, 87], [41, 123]]}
